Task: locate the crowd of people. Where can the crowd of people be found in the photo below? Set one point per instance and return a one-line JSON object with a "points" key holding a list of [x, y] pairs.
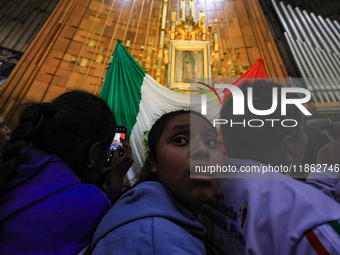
{"points": [[52, 170]]}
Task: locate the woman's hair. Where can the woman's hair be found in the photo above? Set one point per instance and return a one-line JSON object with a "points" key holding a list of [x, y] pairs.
{"points": [[153, 137], [66, 127]]}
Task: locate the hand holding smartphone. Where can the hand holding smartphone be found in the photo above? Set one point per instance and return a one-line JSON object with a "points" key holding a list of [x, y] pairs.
{"points": [[120, 133]]}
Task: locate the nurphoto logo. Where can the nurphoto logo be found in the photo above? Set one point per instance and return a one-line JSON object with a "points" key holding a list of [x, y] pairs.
{"points": [[239, 105], [238, 99]]}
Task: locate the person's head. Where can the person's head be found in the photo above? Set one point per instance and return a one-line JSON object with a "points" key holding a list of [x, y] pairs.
{"points": [[268, 144], [316, 140], [5, 133], [76, 126], [175, 147]]}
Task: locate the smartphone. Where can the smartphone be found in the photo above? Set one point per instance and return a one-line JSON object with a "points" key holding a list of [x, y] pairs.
{"points": [[120, 133]]}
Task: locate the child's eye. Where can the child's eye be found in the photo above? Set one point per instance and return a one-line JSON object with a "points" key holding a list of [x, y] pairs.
{"points": [[211, 143], [180, 140]]}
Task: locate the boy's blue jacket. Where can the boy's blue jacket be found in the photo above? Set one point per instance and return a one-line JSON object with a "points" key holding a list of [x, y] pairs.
{"points": [[148, 220]]}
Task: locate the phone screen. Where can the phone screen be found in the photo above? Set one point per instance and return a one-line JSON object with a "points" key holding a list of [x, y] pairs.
{"points": [[120, 133], [116, 141]]}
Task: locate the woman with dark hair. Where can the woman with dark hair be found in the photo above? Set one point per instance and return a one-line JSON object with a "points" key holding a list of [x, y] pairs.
{"points": [[158, 216], [47, 202]]}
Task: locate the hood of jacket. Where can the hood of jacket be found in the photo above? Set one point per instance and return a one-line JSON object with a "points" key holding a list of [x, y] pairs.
{"points": [[30, 181], [148, 199]]}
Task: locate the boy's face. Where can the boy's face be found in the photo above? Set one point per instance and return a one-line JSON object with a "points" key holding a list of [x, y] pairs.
{"points": [[183, 146]]}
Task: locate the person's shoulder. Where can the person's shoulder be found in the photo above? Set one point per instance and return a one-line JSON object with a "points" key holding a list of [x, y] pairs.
{"points": [[170, 239], [84, 200], [88, 193], [149, 185], [149, 190], [116, 240], [176, 239]]}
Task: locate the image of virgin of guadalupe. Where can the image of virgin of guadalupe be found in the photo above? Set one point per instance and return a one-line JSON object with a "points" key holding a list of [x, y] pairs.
{"points": [[188, 67]]}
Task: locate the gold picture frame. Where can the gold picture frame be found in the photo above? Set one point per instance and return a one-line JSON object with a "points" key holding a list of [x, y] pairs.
{"points": [[188, 60]]}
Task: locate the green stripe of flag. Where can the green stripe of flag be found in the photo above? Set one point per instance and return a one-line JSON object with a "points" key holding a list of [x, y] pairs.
{"points": [[122, 87], [336, 226]]}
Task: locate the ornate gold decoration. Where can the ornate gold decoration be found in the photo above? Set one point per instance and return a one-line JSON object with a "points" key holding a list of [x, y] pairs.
{"points": [[188, 30]]}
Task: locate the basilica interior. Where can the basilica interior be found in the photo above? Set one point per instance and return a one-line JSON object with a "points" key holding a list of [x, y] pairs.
{"points": [[51, 47]]}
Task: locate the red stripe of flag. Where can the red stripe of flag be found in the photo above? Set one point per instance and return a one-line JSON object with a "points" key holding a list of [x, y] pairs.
{"points": [[316, 244]]}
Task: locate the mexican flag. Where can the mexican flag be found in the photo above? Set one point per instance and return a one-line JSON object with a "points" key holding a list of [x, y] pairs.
{"points": [[137, 101]]}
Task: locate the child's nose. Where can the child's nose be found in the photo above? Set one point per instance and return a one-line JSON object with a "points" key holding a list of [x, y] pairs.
{"points": [[199, 150]]}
